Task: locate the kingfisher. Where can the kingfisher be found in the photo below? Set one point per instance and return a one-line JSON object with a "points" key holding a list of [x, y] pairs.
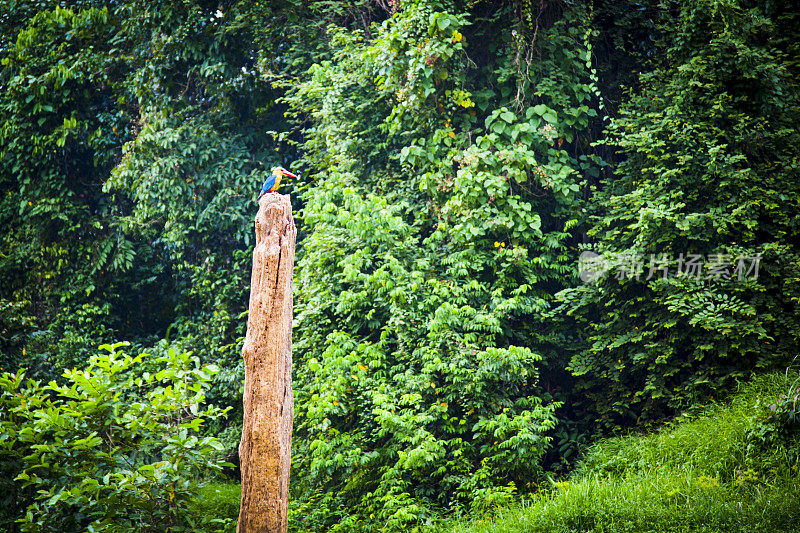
{"points": [[271, 184]]}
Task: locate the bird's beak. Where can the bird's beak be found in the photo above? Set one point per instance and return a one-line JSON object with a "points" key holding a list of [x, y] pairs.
{"points": [[289, 174]]}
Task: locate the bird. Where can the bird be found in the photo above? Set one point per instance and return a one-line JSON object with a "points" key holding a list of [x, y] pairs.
{"points": [[271, 183]]}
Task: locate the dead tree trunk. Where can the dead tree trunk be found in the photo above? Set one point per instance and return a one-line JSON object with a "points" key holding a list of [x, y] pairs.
{"points": [[264, 451]]}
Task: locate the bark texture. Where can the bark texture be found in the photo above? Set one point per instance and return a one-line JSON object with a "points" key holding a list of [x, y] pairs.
{"points": [[264, 451]]}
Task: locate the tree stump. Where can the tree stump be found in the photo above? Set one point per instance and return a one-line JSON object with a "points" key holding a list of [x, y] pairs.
{"points": [[264, 451]]}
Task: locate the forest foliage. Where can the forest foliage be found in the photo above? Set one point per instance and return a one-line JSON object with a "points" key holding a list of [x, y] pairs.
{"points": [[721, 467], [456, 159]]}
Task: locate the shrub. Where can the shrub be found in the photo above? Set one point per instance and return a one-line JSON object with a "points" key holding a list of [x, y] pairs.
{"points": [[116, 447]]}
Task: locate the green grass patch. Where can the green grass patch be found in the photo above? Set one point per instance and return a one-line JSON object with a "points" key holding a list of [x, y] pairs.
{"points": [[221, 502], [725, 470], [718, 443], [652, 502]]}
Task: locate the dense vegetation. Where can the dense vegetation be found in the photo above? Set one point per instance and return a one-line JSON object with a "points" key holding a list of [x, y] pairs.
{"points": [[727, 467], [724, 470], [456, 158]]}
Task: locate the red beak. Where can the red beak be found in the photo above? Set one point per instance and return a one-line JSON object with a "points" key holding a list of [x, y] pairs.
{"points": [[289, 174]]}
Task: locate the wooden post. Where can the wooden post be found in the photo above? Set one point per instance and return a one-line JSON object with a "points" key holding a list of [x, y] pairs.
{"points": [[264, 451]]}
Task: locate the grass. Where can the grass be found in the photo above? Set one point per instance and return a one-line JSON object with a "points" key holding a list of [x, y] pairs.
{"points": [[220, 501], [713, 444], [700, 474], [654, 502]]}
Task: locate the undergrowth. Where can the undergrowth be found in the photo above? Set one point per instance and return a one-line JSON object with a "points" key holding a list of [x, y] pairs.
{"points": [[220, 500], [732, 468], [720, 468]]}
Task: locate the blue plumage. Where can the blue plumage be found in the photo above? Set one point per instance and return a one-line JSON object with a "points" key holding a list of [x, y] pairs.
{"points": [[269, 183], [272, 183]]}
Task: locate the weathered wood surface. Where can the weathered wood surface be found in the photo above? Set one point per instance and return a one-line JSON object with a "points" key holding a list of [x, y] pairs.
{"points": [[264, 451]]}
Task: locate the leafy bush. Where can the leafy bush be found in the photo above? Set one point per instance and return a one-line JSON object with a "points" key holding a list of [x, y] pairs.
{"points": [[437, 231], [116, 446], [709, 169], [775, 437], [785, 412]]}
